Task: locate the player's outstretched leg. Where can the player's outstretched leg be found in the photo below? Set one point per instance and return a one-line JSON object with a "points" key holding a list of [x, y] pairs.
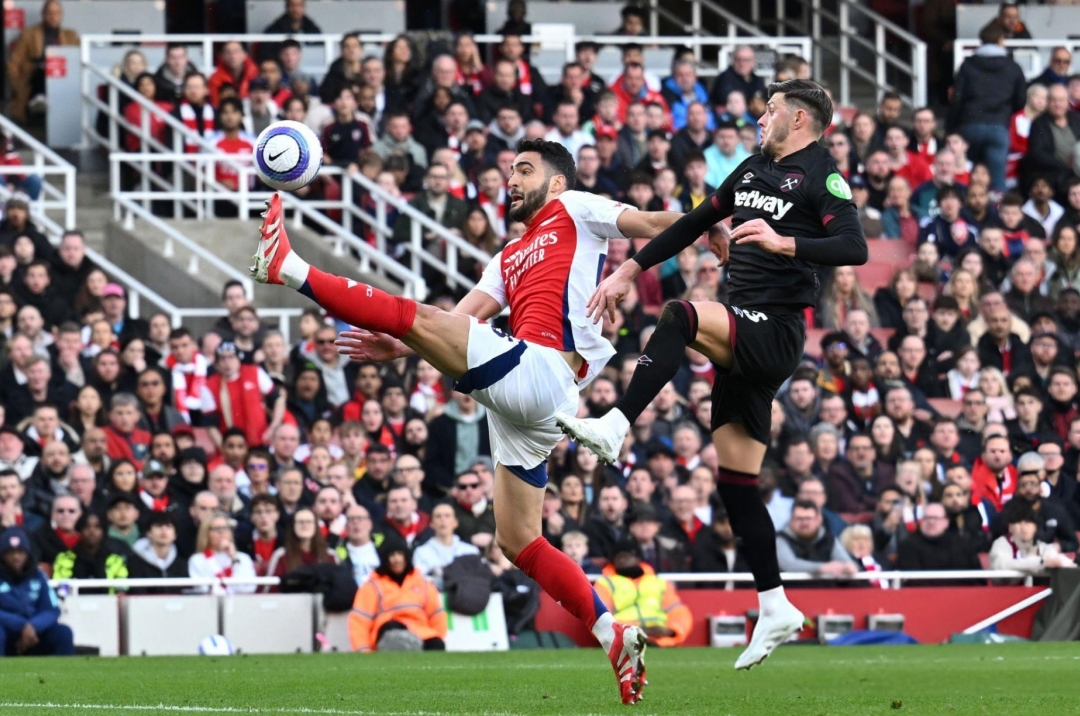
{"points": [[676, 329], [439, 337], [518, 517]]}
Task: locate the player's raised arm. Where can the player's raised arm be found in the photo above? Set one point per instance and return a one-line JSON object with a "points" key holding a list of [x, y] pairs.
{"points": [[669, 242], [646, 224]]}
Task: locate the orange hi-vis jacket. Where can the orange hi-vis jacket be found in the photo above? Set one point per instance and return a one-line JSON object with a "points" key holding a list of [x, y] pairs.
{"points": [[647, 601], [415, 603]]}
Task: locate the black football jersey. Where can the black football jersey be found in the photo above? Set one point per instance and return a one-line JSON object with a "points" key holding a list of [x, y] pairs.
{"points": [[803, 195]]}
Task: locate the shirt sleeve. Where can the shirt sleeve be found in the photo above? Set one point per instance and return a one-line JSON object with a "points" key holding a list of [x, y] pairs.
{"points": [[600, 215], [844, 243], [491, 282]]}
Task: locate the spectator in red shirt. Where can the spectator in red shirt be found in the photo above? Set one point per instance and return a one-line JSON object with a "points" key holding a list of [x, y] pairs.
{"points": [[993, 477], [124, 439], [904, 163], [146, 85], [924, 133], [239, 392], [234, 68], [232, 139], [632, 88], [264, 539]]}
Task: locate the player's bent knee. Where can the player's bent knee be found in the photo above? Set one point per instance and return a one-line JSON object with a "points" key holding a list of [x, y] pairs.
{"points": [[513, 541]]}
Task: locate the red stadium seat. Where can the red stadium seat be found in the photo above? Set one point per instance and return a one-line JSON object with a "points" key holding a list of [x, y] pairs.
{"points": [[847, 114], [203, 440], [813, 342], [947, 407], [890, 251], [882, 334], [874, 275]]}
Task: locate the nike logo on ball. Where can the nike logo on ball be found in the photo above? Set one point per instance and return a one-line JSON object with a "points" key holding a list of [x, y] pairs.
{"points": [[273, 157]]}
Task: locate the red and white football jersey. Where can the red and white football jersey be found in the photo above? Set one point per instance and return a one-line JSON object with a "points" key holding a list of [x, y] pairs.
{"points": [[548, 275], [242, 146]]}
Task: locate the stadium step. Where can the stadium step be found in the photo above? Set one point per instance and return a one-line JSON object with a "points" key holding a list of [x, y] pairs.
{"points": [[142, 253]]}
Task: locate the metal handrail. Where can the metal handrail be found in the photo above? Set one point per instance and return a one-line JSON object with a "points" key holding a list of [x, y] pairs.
{"points": [[687, 577], [46, 162], [963, 48]]}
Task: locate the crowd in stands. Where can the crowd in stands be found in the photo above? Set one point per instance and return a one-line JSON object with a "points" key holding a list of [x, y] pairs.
{"points": [[939, 420]]}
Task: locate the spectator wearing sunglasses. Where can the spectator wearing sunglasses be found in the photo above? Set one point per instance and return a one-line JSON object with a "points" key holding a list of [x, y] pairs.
{"points": [[157, 416], [474, 512]]}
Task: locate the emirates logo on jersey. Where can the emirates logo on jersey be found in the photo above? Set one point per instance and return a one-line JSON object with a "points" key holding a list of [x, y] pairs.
{"points": [[516, 264]]}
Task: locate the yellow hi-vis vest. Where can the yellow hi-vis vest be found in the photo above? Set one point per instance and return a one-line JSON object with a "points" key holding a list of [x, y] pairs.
{"points": [[640, 603], [115, 567]]}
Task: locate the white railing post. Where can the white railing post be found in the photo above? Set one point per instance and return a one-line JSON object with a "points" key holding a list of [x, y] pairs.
{"points": [[781, 18], [347, 201], [114, 110], [920, 78], [879, 60], [415, 244], [815, 33]]}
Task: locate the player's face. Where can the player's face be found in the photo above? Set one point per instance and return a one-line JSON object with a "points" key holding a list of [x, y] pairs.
{"points": [[775, 124], [529, 185]]}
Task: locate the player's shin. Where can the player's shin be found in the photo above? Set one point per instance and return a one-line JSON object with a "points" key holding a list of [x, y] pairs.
{"points": [[359, 304], [664, 353], [750, 521], [562, 578]]}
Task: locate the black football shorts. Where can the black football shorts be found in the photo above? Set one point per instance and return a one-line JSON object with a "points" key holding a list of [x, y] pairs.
{"points": [[767, 349]]}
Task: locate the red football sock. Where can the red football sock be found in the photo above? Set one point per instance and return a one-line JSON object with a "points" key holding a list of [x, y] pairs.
{"points": [[562, 578], [359, 304]]}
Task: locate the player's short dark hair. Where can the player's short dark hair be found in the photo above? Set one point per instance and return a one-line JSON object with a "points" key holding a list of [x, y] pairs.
{"points": [[555, 156], [809, 96]]}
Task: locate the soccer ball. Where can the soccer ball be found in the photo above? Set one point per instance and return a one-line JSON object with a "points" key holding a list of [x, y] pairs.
{"points": [[215, 645], [288, 155]]}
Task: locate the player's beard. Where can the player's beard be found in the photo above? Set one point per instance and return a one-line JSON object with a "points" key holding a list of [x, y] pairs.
{"points": [[776, 137], [531, 203]]}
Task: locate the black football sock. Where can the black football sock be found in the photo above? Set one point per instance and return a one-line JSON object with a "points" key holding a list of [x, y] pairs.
{"points": [[664, 354], [751, 523]]}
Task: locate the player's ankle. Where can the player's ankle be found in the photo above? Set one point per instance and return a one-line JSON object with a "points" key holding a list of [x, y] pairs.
{"points": [[294, 270], [604, 630]]}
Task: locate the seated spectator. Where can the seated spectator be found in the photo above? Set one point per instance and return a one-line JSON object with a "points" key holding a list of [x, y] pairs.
{"points": [[933, 547], [29, 611], [1053, 134], [404, 517], [472, 509], [805, 545], [59, 535], [123, 515], [94, 556], [739, 76], [725, 154], [436, 203], [662, 553], [26, 62], [216, 557], [716, 549], [358, 550], [261, 542], [13, 502], [634, 594], [396, 609], [170, 77], [965, 519], [1000, 347], [398, 139], [234, 68], [858, 479], [1021, 549], [1051, 517], [294, 21], [1041, 206], [304, 546], [246, 387], [924, 199], [346, 137], [565, 130], [868, 215], [125, 439], [575, 545], [155, 556], [812, 489], [1024, 298], [431, 557], [858, 540], [948, 231]]}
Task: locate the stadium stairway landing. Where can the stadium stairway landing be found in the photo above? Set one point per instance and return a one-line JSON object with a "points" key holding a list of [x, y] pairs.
{"points": [[141, 252]]}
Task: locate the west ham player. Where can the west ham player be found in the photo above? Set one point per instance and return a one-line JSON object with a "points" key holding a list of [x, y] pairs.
{"points": [[546, 278], [790, 209]]}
